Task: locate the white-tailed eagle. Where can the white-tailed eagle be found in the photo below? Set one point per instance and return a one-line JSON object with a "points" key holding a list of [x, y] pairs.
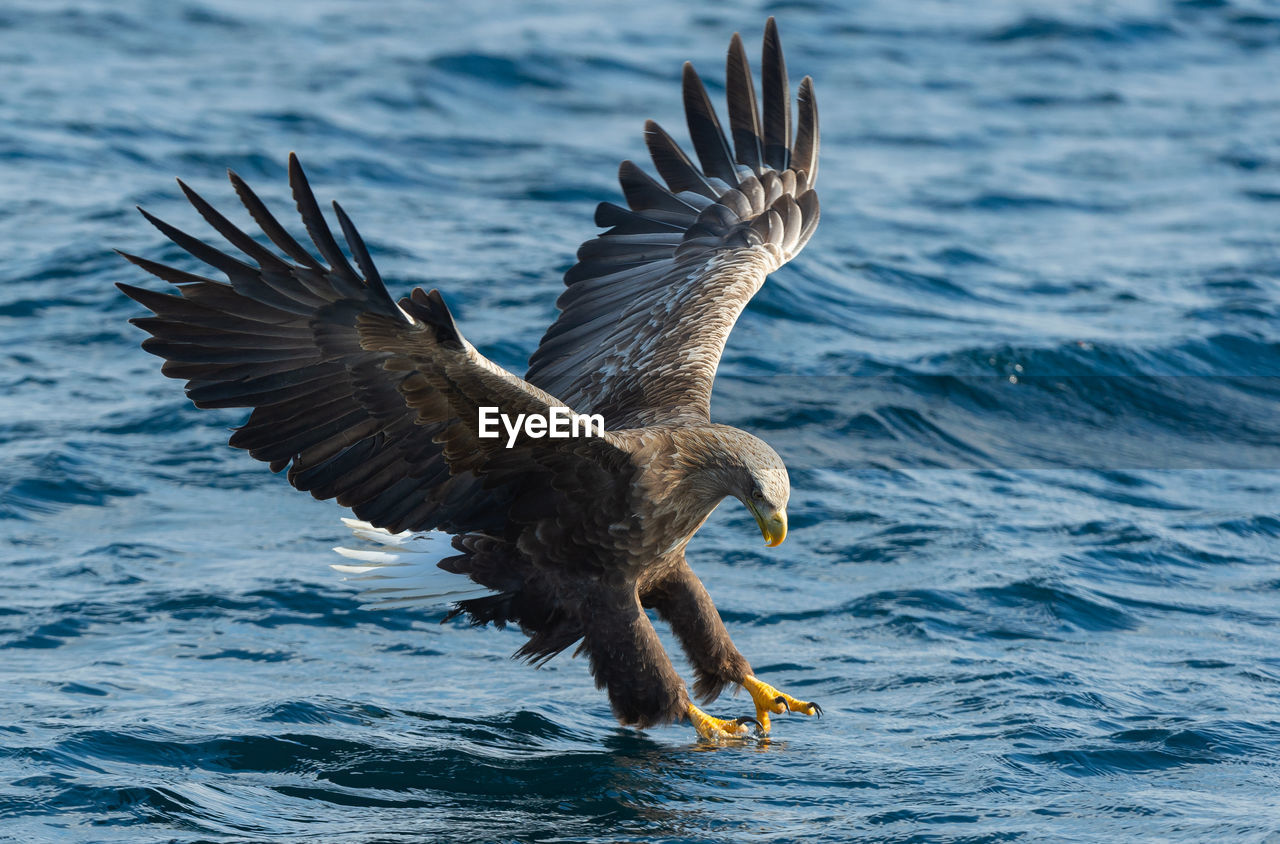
{"points": [[376, 402]]}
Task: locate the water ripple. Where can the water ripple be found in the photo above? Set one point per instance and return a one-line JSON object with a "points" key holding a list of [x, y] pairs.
{"points": [[1024, 378]]}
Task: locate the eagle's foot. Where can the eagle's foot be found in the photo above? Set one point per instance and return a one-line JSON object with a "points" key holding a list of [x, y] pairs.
{"points": [[719, 729], [768, 699]]}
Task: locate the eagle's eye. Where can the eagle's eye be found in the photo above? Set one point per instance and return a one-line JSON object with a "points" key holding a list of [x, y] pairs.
{"points": [[757, 495]]}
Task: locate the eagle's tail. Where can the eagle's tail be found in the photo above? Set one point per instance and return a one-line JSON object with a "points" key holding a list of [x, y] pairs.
{"points": [[400, 569]]}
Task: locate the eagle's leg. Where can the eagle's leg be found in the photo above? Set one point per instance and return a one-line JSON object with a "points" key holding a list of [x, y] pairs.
{"points": [[628, 661], [683, 602]]}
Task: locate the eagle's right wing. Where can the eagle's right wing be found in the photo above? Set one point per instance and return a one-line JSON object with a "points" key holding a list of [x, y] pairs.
{"points": [[365, 400]]}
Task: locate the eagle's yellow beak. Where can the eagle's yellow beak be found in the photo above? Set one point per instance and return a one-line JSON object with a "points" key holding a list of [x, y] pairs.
{"points": [[773, 526]]}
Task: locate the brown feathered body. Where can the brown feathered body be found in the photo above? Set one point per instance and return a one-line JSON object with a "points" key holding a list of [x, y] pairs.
{"points": [[375, 403]]}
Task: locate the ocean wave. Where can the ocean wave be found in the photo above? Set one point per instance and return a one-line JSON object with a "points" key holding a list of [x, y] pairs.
{"points": [[1023, 377]]}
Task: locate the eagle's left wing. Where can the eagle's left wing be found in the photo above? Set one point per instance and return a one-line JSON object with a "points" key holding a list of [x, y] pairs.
{"points": [[651, 302]]}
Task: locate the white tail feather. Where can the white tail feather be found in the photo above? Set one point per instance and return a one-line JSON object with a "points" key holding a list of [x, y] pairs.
{"points": [[409, 560], [385, 558]]}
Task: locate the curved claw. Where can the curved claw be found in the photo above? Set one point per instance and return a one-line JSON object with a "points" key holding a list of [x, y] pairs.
{"points": [[770, 700], [720, 729]]}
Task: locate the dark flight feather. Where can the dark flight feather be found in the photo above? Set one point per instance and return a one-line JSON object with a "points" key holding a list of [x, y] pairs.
{"points": [[361, 253], [673, 165], [704, 129], [265, 257], [744, 119], [269, 225], [340, 272], [777, 101], [805, 155]]}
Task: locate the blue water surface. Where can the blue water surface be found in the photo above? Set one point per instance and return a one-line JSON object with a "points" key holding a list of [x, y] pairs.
{"points": [[1025, 378]]}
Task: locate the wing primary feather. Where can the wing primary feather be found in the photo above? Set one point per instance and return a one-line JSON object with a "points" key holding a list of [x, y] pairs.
{"points": [[244, 278], [805, 154], [777, 100], [644, 193], [372, 278], [201, 309], [744, 119], [704, 128], [673, 165], [270, 225], [161, 271], [314, 220], [237, 238], [198, 248]]}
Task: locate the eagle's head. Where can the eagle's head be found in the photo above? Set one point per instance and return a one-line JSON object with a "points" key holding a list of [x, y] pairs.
{"points": [[714, 461], [761, 483]]}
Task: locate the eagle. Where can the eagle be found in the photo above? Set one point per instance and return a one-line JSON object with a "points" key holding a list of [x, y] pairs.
{"points": [[378, 403]]}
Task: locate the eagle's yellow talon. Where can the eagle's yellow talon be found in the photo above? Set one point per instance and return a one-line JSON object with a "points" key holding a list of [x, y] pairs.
{"points": [[719, 729], [768, 699]]}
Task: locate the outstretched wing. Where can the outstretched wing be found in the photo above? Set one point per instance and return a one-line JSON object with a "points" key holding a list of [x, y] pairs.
{"points": [[363, 399], [651, 302]]}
